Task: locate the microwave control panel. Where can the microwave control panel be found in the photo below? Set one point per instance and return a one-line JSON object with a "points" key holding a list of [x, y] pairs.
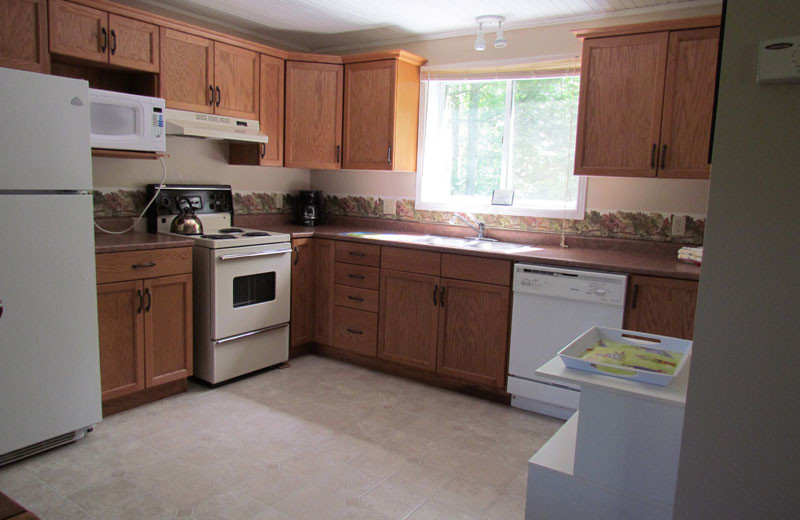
{"points": [[158, 121]]}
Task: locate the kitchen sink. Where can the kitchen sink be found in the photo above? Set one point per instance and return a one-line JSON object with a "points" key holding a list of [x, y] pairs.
{"points": [[461, 243], [502, 247], [445, 241]]}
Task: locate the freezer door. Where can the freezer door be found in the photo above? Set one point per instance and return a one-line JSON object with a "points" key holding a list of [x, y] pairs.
{"points": [[49, 354], [44, 136]]}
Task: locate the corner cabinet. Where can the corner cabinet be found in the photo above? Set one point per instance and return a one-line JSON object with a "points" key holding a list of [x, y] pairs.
{"points": [[646, 100], [664, 306], [302, 321], [23, 40], [144, 307], [381, 112]]}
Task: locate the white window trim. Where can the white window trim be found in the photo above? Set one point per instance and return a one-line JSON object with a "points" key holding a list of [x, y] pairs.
{"points": [[577, 214]]}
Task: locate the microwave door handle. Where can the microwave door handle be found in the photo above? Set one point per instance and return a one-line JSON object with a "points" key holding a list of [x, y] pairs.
{"points": [[257, 253]]}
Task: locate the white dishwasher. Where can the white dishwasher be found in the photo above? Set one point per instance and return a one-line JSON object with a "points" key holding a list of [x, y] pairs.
{"points": [[553, 306]]}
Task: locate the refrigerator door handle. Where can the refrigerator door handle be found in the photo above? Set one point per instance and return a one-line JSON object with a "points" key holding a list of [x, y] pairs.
{"points": [[1, 309]]}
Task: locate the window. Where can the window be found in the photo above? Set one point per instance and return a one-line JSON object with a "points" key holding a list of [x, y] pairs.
{"points": [[480, 134]]}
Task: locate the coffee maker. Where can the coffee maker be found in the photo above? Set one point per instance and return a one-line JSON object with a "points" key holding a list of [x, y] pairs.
{"points": [[309, 212]]}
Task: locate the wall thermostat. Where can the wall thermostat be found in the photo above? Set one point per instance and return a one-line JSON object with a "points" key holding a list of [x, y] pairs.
{"points": [[779, 61]]}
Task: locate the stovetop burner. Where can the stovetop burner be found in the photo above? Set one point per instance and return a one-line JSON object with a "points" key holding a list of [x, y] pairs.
{"points": [[230, 230], [256, 234], [218, 237]]}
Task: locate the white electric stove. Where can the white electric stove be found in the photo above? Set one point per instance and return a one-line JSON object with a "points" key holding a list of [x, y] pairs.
{"points": [[242, 283]]}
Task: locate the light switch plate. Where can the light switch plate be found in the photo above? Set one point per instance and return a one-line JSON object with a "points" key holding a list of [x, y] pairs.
{"points": [[502, 197], [389, 207], [678, 225], [779, 60]]}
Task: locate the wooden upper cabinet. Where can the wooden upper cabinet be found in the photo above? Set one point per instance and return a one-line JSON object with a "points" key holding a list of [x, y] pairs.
{"points": [[409, 313], [271, 109], [313, 125], [133, 44], [236, 75], [186, 80], [120, 315], [23, 38], [473, 332], [662, 306], [78, 31], [688, 103], [619, 111]]}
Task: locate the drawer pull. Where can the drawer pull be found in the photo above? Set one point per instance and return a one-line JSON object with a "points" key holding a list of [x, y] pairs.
{"points": [[356, 253], [355, 298], [355, 331], [356, 276], [140, 266]]}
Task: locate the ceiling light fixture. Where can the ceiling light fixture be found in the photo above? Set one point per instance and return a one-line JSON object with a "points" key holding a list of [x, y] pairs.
{"points": [[500, 41]]}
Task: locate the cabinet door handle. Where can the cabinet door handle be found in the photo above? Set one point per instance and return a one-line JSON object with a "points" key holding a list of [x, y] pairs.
{"points": [[296, 256], [141, 301], [219, 95], [355, 331], [113, 41], [355, 298], [105, 39], [1, 308], [356, 253], [149, 299], [338, 150], [435, 292], [389, 155], [653, 156], [140, 266], [211, 99], [263, 150], [356, 276], [663, 157], [441, 296], [635, 295]]}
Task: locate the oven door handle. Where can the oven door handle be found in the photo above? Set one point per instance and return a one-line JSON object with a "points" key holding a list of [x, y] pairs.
{"points": [[251, 333], [257, 253]]}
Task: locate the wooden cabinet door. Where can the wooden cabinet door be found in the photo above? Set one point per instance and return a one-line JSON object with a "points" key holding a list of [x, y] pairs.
{"points": [[236, 73], [168, 328], [78, 31], [409, 315], [313, 137], [325, 253], [120, 315], [302, 326], [473, 332], [662, 306], [133, 44], [619, 111], [23, 35], [186, 80], [688, 103], [369, 110], [271, 109]]}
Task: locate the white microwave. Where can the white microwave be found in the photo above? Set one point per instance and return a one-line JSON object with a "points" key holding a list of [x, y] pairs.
{"points": [[126, 122]]}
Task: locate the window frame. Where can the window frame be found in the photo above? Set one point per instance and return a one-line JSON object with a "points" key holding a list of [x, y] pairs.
{"points": [[460, 206]]}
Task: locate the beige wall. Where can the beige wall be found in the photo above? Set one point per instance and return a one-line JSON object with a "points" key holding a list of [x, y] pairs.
{"points": [[196, 161], [664, 196]]}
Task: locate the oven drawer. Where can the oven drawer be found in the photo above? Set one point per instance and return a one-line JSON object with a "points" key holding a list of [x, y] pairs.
{"points": [[356, 298], [356, 331], [358, 276], [136, 265], [361, 254]]}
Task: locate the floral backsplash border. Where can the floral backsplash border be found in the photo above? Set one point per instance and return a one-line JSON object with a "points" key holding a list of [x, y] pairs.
{"points": [[616, 224]]}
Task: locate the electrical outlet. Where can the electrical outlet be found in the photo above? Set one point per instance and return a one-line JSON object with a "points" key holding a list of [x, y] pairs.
{"points": [[279, 201], [389, 207], [678, 225]]}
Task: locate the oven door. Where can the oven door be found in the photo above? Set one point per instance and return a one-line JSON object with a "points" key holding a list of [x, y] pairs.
{"points": [[251, 289]]}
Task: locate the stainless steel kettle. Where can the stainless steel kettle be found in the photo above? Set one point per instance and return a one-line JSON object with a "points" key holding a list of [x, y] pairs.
{"points": [[187, 223]]}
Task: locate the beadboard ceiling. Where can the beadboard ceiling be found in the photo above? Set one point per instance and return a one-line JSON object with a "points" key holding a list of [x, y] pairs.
{"points": [[330, 25]]}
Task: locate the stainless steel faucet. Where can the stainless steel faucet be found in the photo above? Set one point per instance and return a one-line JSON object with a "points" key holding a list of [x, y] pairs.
{"points": [[478, 226]]}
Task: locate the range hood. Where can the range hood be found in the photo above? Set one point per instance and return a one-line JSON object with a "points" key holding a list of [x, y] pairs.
{"points": [[210, 126]]}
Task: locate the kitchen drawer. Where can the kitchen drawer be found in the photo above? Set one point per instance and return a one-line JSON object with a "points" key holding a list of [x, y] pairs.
{"points": [[358, 276], [361, 254], [476, 269], [356, 298], [356, 331], [411, 260], [136, 265]]}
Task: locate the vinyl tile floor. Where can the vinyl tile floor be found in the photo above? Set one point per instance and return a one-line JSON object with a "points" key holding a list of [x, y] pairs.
{"points": [[317, 440]]}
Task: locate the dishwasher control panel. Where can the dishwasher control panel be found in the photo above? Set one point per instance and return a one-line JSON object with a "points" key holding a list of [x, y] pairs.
{"points": [[571, 284]]}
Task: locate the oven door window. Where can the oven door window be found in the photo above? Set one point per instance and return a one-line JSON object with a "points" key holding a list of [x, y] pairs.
{"points": [[253, 289]]}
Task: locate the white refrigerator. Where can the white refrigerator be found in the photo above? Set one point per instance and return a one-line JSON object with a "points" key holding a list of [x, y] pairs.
{"points": [[49, 354]]}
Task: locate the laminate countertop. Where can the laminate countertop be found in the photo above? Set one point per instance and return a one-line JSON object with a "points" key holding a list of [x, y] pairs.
{"points": [[598, 258], [137, 241]]}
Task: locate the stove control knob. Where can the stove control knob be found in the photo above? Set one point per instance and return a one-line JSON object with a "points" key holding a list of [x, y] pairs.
{"points": [[165, 202], [211, 205], [225, 206]]}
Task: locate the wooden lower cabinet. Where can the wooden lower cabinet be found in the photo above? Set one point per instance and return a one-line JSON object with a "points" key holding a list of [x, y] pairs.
{"points": [[302, 321], [664, 306], [473, 331], [409, 318], [325, 252], [355, 330], [145, 324]]}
